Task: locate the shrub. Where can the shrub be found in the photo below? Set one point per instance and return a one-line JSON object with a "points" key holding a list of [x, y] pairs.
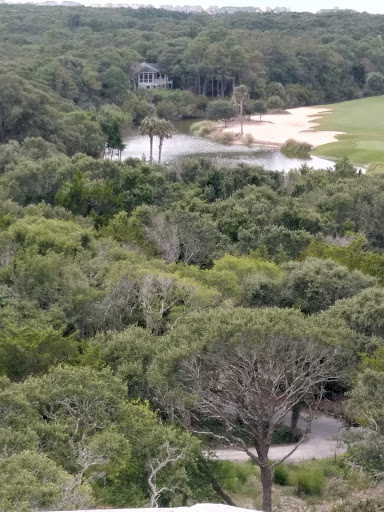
{"points": [[222, 137], [232, 476], [333, 468], [295, 149], [281, 475], [221, 110], [275, 103], [283, 435], [308, 478], [361, 506], [374, 84], [202, 128], [309, 481], [248, 139]]}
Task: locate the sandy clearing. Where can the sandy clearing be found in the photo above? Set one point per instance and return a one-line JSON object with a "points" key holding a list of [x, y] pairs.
{"points": [[294, 123]]}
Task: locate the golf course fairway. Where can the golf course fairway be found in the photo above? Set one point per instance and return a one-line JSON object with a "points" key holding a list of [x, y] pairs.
{"points": [[363, 123]]}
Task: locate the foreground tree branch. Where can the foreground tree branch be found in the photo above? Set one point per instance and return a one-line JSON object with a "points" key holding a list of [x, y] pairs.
{"points": [[167, 455]]}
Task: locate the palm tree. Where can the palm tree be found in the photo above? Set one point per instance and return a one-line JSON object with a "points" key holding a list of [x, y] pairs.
{"points": [[240, 95], [148, 126], [164, 130]]}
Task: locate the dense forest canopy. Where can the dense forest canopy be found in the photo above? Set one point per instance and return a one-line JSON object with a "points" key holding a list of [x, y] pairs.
{"points": [[63, 68], [138, 299], [85, 55]]}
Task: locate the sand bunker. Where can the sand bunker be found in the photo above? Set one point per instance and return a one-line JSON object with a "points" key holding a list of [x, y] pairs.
{"points": [[294, 123]]}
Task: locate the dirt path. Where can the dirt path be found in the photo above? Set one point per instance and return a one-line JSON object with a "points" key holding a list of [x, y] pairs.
{"points": [[319, 443]]}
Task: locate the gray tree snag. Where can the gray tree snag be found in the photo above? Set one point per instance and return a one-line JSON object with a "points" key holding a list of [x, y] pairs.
{"points": [[249, 385], [240, 95], [167, 455]]}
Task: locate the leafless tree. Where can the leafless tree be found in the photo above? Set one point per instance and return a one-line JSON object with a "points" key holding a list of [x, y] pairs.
{"points": [[250, 385], [165, 237], [153, 296], [167, 455], [7, 251]]}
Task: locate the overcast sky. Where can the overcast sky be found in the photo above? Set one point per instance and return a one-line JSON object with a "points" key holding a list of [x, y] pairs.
{"points": [[374, 6]]}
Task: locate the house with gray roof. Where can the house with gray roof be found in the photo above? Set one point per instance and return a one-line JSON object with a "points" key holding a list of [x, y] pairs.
{"points": [[149, 76]]}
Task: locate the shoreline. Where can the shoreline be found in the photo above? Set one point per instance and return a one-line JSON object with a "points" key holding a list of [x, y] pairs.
{"points": [[275, 129]]}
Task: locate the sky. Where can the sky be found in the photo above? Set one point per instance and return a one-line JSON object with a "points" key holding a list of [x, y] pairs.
{"points": [[373, 6]]}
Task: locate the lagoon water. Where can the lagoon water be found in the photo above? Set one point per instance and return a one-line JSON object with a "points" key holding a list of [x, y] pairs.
{"points": [[184, 144]]}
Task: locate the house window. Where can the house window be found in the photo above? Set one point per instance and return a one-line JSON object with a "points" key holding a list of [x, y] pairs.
{"points": [[146, 78]]}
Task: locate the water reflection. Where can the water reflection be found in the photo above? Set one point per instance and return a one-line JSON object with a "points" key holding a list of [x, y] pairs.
{"points": [[183, 144]]}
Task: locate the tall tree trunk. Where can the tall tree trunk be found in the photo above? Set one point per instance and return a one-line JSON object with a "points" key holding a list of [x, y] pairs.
{"points": [[203, 467], [266, 482], [213, 83], [199, 78], [262, 444], [295, 415], [241, 118], [151, 149], [161, 140]]}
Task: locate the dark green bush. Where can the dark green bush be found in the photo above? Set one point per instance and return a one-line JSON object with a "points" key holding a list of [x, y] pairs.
{"points": [[283, 435], [281, 475]]}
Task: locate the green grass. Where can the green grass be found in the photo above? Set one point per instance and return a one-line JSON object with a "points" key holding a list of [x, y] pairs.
{"points": [[307, 478], [363, 122]]}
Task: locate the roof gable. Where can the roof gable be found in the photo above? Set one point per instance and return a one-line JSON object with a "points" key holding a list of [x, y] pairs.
{"points": [[146, 66]]}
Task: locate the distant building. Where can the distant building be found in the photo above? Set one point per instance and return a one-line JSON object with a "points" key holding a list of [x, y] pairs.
{"points": [[335, 9], [148, 76], [192, 8], [214, 9]]}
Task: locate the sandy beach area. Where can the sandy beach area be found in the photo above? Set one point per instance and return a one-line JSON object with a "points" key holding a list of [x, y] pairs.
{"points": [[294, 123]]}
